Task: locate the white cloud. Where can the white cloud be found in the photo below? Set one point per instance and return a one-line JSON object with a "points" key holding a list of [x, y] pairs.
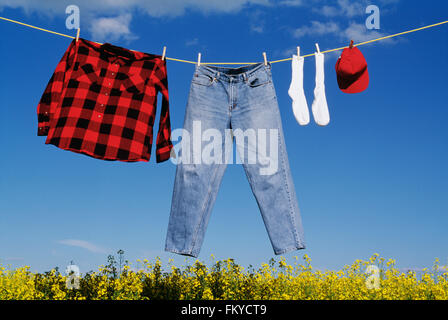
{"points": [[328, 11], [179, 7], [359, 33], [100, 16], [317, 28], [292, 3], [110, 19], [352, 8], [14, 259], [349, 8], [257, 21], [345, 8], [355, 31], [155, 8], [112, 29], [192, 42], [257, 29], [83, 244], [286, 52]]}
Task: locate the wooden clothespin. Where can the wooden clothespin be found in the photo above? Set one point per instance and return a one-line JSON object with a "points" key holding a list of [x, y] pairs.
{"points": [[351, 44], [265, 59], [317, 47], [199, 59], [164, 52], [77, 34]]}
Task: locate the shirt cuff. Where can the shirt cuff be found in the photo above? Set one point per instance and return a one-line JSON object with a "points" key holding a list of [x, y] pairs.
{"points": [[164, 153], [42, 130]]}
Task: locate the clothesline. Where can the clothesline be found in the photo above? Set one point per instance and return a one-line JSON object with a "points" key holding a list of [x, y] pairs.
{"points": [[248, 63]]}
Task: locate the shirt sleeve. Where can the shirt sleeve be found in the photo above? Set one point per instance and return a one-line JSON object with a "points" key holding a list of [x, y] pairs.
{"points": [[53, 91], [163, 143]]}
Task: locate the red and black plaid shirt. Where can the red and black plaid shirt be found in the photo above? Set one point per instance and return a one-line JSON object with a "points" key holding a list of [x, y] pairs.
{"points": [[101, 101]]}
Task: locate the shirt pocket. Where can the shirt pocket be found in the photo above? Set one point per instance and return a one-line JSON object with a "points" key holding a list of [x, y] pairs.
{"points": [[86, 73], [134, 83]]}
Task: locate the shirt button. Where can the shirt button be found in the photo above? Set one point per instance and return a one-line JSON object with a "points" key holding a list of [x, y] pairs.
{"points": [[106, 94], [109, 83], [102, 105], [99, 116], [113, 73]]}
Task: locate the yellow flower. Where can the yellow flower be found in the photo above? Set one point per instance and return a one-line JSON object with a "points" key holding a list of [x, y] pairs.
{"points": [[228, 280]]}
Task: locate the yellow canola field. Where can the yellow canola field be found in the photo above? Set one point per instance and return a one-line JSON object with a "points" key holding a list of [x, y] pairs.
{"points": [[224, 279]]}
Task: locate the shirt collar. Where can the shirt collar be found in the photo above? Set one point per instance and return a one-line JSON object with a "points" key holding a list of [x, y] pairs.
{"points": [[117, 54]]}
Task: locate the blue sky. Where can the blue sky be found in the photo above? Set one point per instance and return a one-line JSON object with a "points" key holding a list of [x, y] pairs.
{"points": [[374, 180]]}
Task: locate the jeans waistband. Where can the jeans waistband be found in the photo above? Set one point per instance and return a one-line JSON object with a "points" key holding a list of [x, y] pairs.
{"points": [[233, 74]]}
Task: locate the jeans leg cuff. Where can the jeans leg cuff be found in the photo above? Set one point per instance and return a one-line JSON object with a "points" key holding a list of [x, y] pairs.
{"points": [[289, 249], [183, 253]]}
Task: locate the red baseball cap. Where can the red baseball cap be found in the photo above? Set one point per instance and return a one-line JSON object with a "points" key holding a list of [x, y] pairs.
{"points": [[351, 71]]}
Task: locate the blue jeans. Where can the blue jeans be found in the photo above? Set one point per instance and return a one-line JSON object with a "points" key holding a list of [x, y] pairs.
{"points": [[230, 103]]}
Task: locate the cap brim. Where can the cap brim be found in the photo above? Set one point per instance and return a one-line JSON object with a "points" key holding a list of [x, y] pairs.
{"points": [[356, 86]]}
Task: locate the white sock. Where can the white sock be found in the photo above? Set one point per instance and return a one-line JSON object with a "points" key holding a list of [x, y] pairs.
{"points": [[299, 104], [320, 106]]}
